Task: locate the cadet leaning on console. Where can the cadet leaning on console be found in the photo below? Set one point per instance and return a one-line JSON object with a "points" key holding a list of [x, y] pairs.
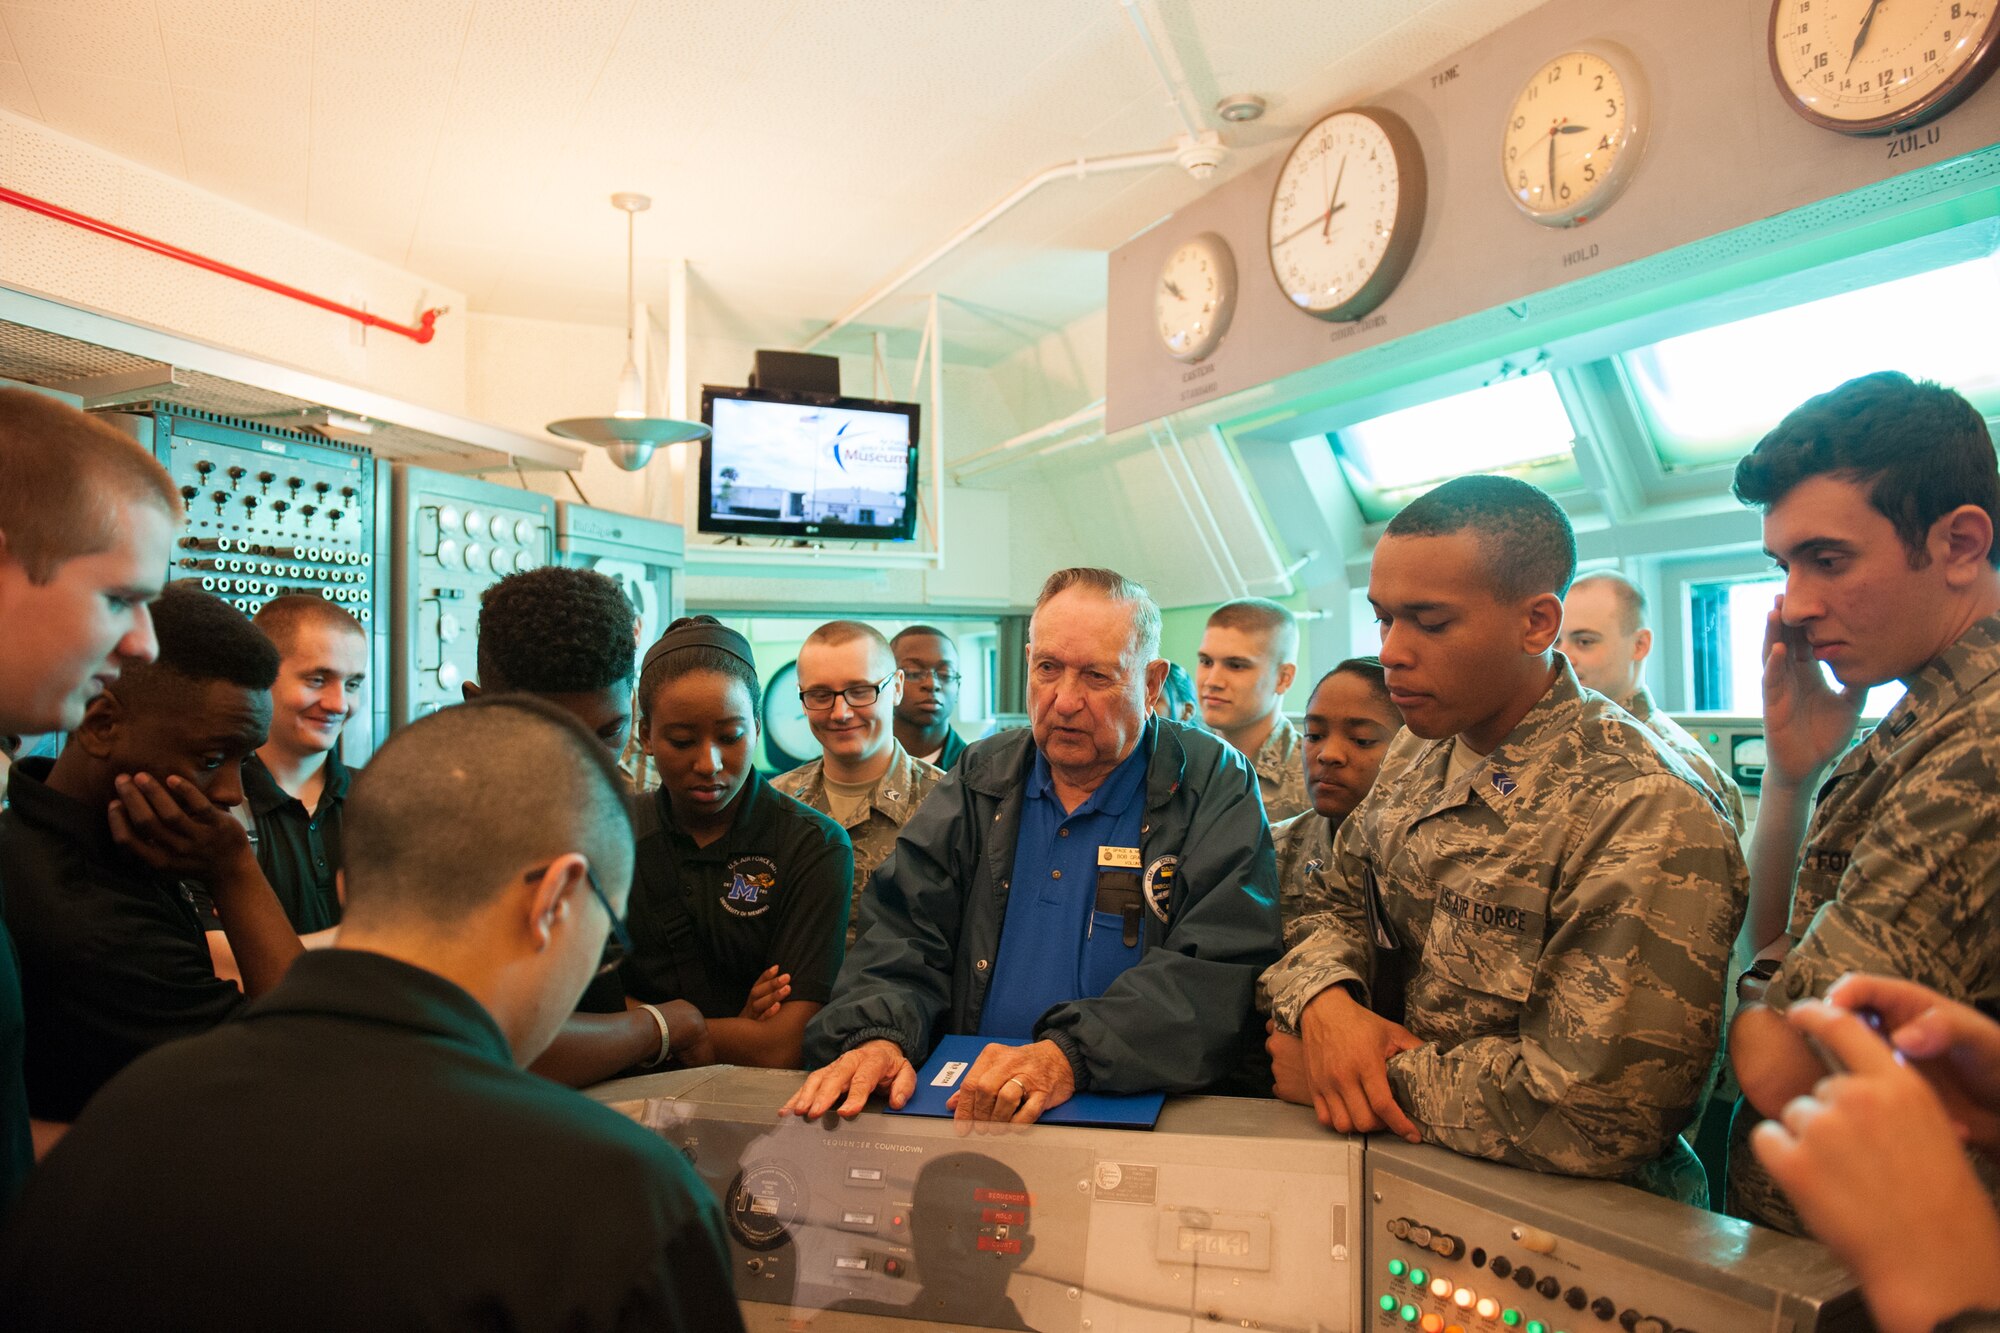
{"points": [[1880, 501], [86, 523], [864, 779], [1536, 898], [1100, 885], [361, 1150], [733, 878]]}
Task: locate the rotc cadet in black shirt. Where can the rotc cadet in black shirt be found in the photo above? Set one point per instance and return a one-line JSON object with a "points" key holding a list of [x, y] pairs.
{"points": [[296, 784], [103, 853], [733, 877], [87, 519], [928, 660], [361, 1149], [569, 638]]}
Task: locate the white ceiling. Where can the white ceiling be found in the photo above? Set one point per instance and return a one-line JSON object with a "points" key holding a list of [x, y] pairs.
{"points": [[798, 151]]}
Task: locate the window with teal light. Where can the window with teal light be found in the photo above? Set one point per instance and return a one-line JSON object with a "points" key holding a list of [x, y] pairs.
{"points": [[1708, 396], [1517, 427], [1728, 632]]}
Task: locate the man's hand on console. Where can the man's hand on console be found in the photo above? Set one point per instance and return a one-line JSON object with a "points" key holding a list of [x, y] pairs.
{"points": [[1013, 1084], [854, 1077], [1347, 1050]]}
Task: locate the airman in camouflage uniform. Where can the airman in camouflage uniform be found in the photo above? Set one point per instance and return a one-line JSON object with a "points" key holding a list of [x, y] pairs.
{"points": [[896, 797], [1305, 849], [1281, 774], [1900, 870], [1692, 754], [1562, 915]]}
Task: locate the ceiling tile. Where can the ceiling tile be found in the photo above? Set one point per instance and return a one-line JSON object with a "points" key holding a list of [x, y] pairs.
{"points": [[113, 38], [7, 52], [107, 112], [268, 178], [198, 60], [424, 38], [280, 23], [15, 92], [275, 123]]}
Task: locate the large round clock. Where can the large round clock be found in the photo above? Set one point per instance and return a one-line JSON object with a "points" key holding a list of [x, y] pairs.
{"points": [[1874, 67], [1346, 213], [1571, 143], [1196, 296], [788, 736]]}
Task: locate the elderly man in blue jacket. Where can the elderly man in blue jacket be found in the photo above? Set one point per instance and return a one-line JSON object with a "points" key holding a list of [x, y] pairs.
{"points": [[1101, 888]]}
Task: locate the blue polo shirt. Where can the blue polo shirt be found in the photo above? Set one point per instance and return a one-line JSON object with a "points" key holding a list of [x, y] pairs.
{"points": [[1054, 946]]}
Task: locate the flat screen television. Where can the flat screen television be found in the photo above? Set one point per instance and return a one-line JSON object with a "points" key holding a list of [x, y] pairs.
{"points": [[790, 465]]}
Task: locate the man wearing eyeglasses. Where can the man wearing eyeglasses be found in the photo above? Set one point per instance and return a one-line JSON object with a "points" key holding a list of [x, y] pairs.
{"points": [[929, 663], [864, 778], [376, 1094]]}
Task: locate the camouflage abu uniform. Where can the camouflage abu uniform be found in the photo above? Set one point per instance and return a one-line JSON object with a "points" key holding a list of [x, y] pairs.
{"points": [[1678, 740], [1563, 914], [1281, 772], [1305, 849], [895, 798], [1900, 870]]}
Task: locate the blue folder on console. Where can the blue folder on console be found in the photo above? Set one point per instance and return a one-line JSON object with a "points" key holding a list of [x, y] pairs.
{"points": [[939, 1079]]}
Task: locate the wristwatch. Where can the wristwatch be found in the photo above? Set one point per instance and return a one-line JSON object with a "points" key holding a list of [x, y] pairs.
{"points": [[1751, 985]]}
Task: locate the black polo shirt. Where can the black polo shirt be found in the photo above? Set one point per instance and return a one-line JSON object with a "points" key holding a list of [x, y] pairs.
{"points": [[359, 1152], [299, 851], [113, 958], [17, 1148], [706, 921]]}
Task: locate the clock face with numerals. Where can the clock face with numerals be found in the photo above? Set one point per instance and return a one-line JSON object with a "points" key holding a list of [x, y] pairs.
{"points": [[1877, 66], [1571, 143], [1346, 213], [1195, 297]]}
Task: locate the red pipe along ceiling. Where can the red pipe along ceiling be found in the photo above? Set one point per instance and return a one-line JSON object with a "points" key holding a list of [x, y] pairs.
{"points": [[423, 331]]}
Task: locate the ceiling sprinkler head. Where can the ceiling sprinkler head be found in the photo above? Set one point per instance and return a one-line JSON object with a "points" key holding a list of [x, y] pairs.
{"points": [[1200, 157], [1240, 107]]}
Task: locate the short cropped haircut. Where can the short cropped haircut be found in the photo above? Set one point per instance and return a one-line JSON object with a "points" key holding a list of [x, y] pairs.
{"points": [[1525, 536], [1110, 584], [556, 630], [458, 803], [836, 632], [202, 639], [1920, 449], [691, 659], [911, 631], [64, 477], [1261, 615], [1631, 597], [283, 617]]}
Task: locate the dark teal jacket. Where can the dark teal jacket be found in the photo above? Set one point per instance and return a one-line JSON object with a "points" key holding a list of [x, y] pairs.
{"points": [[1178, 1020]]}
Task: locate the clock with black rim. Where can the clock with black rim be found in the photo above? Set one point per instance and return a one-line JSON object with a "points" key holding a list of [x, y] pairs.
{"points": [[1874, 67], [1346, 213], [788, 736]]}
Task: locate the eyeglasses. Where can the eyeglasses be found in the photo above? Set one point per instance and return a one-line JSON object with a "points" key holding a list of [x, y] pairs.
{"points": [[944, 676], [619, 947], [819, 699]]}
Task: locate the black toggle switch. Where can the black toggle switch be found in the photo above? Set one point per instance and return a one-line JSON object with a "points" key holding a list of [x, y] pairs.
{"points": [[1548, 1287], [264, 480], [1603, 1308], [1628, 1318], [1575, 1298], [1524, 1276], [1502, 1265], [189, 492]]}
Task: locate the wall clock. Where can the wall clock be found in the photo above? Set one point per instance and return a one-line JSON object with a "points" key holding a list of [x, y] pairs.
{"points": [[1195, 297], [788, 735], [1346, 213], [1873, 67], [1572, 139]]}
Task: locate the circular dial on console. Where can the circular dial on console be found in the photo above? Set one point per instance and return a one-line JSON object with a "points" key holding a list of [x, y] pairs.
{"points": [[1873, 66], [1346, 213], [761, 1204]]}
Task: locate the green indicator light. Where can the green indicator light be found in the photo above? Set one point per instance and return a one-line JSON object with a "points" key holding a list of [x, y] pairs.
{"points": [[1409, 1313], [1418, 1277], [1511, 1318], [1388, 1304], [1537, 1326], [1397, 1268]]}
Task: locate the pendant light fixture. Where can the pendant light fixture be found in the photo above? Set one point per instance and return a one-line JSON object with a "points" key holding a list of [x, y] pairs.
{"points": [[628, 434]]}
